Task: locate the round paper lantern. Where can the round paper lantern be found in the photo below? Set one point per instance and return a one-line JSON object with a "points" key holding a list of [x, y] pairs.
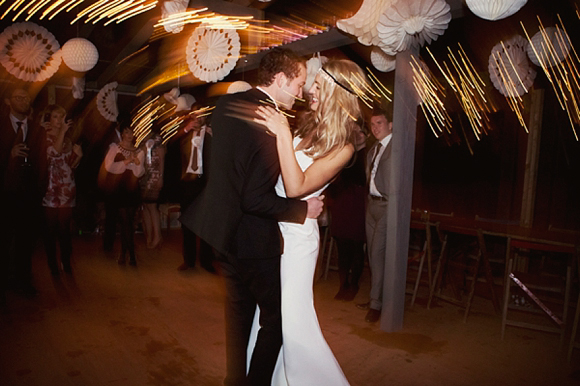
{"points": [[382, 61], [549, 47], [495, 9], [238, 86], [80, 54]]}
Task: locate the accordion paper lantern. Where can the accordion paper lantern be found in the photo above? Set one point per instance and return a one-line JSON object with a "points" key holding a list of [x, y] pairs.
{"points": [[80, 54]]}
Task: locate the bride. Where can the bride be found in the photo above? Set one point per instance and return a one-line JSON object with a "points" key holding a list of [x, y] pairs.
{"points": [[309, 160]]}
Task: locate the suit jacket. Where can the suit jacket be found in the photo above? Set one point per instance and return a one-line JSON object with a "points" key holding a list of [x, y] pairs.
{"points": [[238, 211], [25, 182], [382, 177]]}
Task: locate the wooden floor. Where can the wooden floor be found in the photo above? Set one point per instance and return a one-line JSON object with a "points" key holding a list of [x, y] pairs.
{"points": [[152, 325]]}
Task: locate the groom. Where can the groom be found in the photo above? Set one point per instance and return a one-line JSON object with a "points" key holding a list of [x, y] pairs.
{"points": [[238, 214]]}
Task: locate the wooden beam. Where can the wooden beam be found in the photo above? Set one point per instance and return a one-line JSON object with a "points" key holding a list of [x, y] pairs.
{"points": [[327, 40], [137, 42], [400, 193], [532, 158]]}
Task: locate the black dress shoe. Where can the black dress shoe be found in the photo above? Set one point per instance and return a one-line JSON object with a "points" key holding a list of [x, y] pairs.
{"points": [[363, 306], [373, 315]]}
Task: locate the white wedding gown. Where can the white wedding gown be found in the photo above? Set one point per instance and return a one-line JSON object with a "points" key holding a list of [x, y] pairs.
{"points": [[305, 358]]}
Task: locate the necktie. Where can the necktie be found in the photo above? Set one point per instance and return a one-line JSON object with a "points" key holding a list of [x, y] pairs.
{"points": [[372, 164], [377, 150], [19, 133], [194, 160]]}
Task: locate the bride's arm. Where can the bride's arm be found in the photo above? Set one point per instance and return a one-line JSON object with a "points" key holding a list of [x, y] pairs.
{"points": [[296, 182]]}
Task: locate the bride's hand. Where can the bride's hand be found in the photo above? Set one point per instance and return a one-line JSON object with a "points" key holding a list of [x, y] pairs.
{"points": [[274, 120]]}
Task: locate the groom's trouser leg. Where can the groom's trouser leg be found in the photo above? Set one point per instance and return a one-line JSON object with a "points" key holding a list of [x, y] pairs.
{"points": [[265, 285], [249, 282]]}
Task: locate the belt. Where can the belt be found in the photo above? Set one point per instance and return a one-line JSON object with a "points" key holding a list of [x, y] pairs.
{"points": [[377, 198]]}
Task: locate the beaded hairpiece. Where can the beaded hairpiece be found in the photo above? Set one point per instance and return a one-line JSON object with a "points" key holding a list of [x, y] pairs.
{"points": [[330, 78]]}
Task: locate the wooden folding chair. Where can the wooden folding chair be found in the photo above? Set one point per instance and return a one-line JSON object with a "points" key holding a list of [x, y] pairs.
{"points": [[541, 291]]}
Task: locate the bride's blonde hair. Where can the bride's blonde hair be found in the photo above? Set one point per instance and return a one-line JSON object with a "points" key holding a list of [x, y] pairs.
{"points": [[334, 123]]}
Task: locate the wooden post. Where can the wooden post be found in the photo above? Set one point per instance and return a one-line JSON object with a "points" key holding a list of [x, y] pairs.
{"points": [[532, 159], [400, 194]]}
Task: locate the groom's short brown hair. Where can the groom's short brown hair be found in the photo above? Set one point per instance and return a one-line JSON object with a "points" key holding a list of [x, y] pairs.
{"points": [[279, 60]]}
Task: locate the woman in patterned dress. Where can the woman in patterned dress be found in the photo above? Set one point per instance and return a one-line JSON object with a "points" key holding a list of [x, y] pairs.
{"points": [[59, 200]]}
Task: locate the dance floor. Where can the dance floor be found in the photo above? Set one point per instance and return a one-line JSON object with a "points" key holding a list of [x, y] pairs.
{"points": [[153, 325]]}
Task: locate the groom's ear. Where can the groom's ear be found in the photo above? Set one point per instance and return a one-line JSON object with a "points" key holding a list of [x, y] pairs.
{"points": [[280, 79]]}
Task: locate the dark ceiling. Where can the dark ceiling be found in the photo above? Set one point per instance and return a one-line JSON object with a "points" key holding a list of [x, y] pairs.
{"points": [[118, 43]]}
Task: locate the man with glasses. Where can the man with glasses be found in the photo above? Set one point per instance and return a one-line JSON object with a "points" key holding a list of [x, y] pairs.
{"points": [[21, 161]]}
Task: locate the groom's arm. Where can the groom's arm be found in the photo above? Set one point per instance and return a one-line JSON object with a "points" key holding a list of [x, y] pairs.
{"points": [[258, 195]]}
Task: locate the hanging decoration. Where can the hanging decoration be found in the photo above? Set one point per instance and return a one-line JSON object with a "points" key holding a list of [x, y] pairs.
{"points": [[548, 47], [171, 96], [382, 61], [212, 54], [494, 9], [511, 73], [409, 23], [29, 52], [509, 68], [78, 87], [551, 49], [312, 66], [107, 102], [171, 8], [80, 54], [238, 86], [363, 24]]}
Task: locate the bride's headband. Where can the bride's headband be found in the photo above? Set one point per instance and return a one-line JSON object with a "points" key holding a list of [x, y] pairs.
{"points": [[329, 77]]}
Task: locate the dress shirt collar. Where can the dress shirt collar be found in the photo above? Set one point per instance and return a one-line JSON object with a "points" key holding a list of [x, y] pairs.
{"points": [[269, 96], [15, 120]]}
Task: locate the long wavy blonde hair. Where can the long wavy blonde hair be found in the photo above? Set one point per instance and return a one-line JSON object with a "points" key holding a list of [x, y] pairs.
{"points": [[334, 123]]}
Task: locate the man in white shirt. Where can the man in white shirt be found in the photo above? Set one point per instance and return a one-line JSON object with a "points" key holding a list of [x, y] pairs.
{"points": [[378, 172]]}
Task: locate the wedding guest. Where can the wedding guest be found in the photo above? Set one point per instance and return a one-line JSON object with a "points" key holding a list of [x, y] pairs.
{"points": [[60, 197], [151, 183], [124, 165], [22, 162]]}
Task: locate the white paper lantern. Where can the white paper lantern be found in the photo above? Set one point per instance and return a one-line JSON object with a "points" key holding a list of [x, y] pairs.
{"points": [[80, 54], [552, 47], [495, 9], [238, 86], [312, 66], [382, 61]]}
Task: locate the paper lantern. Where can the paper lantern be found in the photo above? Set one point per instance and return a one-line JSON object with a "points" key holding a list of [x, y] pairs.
{"points": [[80, 54], [363, 24], [312, 67], [549, 47], [494, 9], [509, 67], [184, 102], [409, 23], [238, 86], [382, 61], [29, 52], [78, 87], [212, 53], [173, 7]]}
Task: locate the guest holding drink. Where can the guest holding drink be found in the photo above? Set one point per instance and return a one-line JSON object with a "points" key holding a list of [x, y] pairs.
{"points": [[59, 200], [21, 166]]}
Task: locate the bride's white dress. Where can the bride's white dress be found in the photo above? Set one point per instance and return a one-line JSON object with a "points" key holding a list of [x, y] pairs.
{"points": [[305, 358]]}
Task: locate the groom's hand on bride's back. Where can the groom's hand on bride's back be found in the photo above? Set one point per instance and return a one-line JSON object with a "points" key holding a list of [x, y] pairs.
{"points": [[315, 206]]}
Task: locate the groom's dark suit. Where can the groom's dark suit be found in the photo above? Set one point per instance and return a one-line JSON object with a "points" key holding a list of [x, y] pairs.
{"points": [[238, 214]]}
